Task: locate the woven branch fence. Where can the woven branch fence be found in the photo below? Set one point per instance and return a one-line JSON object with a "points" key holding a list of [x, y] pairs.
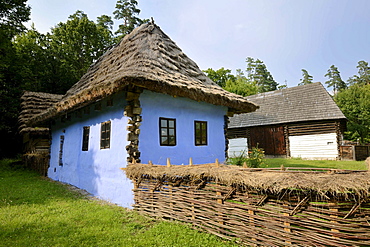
{"points": [[220, 201]]}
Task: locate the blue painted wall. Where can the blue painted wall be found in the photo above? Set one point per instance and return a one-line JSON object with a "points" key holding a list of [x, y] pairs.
{"points": [[185, 111], [96, 170]]}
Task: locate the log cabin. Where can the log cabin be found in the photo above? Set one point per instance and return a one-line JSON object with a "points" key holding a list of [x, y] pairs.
{"points": [[301, 122]]}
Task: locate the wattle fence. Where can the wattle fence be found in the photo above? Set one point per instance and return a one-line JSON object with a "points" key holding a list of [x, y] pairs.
{"points": [[257, 215]]}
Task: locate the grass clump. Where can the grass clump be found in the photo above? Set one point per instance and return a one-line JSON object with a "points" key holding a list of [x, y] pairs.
{"points": [[36, 211]]}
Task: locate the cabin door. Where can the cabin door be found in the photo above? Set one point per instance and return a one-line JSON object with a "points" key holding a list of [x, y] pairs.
{"points": [[271, 139]]}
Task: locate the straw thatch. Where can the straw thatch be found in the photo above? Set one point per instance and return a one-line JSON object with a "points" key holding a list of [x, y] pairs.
{"points": [[149, 59], [272, 181], [33, 103]]}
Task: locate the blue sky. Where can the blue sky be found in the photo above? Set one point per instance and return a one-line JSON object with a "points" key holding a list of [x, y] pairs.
{"points": [[287, 35]]}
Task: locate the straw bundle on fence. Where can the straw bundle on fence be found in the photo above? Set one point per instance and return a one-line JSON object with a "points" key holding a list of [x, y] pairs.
{"points": [[336, 182]]}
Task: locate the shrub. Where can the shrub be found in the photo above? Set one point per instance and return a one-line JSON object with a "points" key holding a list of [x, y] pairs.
{"points": [[238, 160], [254, 158]]}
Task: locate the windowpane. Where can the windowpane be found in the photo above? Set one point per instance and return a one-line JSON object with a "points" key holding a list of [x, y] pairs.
{"points": [[85, 138], [171, 132], [105, 135], [163, 131], [164, 123], [172, 141], [164, 140], [200, 132], [167, 131], [61, 144], [171, 123]]}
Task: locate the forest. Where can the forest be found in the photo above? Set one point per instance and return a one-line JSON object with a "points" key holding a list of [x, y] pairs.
{"points": [[53, 62]]}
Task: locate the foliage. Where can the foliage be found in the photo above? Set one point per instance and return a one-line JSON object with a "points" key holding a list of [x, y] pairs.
{"points": [[363, 77], [355, 105], [38, 212], [50, 62], [241, 85], [238, 160], [257, 72], [306, 78], [220, 76], [53, 62], [334, 79], [13, 13], [334, 164], [254, 158], [258, 78], [127, 11], [79, 42]]}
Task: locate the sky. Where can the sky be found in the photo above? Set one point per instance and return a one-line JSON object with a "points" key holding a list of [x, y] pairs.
{"points": [[287, 35]]}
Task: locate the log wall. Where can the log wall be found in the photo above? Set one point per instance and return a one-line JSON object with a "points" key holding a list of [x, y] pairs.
{"points": [[291, 218]]}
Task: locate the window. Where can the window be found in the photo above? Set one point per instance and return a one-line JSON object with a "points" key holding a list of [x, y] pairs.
{"points": [[167, 131], [110, 102], [200, 133], [61, 144], [105, 135], [85, 138]]}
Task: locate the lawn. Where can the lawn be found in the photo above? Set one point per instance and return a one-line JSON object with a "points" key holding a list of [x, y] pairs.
{"points": [[35, 211], [335, 164]]}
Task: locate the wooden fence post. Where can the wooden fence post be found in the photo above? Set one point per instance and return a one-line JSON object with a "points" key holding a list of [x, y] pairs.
{"points": [[219, 201], [287, 226], [332, 209], [251, 221]]}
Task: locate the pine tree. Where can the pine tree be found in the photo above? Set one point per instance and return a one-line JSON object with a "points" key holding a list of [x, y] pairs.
{"points": [[334, 79], [307, 78], [127, 11], [258, 73]]}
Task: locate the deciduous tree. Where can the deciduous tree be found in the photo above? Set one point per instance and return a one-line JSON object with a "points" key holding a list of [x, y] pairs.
{"points": [[220, 76], [241, 85], [355, 105], [13, 13]]}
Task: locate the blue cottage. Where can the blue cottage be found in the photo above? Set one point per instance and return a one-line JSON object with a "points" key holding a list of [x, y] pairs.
{"points": [[143, 100]]}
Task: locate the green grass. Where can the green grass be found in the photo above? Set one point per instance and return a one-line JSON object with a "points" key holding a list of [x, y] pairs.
{"points": [[335, 164], [35, 211]]}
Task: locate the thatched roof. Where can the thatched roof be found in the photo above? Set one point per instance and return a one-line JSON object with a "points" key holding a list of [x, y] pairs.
{"points": [[33, 103], [309, 102], [274, 182], [149, 59]]}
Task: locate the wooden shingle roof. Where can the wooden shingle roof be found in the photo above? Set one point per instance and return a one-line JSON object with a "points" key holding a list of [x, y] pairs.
{"points": [[309, 102], [149, 59]]}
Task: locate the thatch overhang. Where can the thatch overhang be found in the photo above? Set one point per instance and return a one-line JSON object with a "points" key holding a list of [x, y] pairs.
{"points": [[33, 103], [149, 59], [336, 182]]}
